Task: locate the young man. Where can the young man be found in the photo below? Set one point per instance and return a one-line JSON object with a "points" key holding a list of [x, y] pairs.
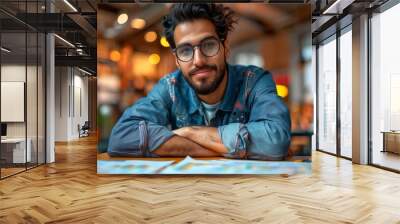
{"points": [[207, 107]]}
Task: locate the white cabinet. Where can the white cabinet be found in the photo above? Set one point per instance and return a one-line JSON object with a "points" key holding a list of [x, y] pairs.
{"points": [[17, 147]]}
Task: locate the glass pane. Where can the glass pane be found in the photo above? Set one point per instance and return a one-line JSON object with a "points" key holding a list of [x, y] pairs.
{"points": [[327, 97], [32, 84], [13, 86], [31, 97], [41, 98], [22, 77], [386, 89], [346, 94]]}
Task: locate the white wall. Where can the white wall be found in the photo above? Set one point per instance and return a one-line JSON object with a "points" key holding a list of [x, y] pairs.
{"points": [[62, 81], [80, 100], [33, 127], [71, 93], [13, 73]]}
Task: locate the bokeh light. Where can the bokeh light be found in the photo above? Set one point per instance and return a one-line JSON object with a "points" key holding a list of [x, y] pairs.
{"points": [[115, 55], [150, 36], [164, 42], [154, 59], [122, 18], [138, 23], [282, 90]]}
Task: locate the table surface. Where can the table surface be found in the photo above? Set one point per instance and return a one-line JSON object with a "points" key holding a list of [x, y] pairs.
{"points": [[13, 140], [105, 156], [390, 132]]}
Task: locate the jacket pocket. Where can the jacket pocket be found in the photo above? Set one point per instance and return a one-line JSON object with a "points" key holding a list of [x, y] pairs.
{"points": [[181, 120]]}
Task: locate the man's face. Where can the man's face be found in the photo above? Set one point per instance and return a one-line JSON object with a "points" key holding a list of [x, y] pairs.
{"points": [[203, 73]]}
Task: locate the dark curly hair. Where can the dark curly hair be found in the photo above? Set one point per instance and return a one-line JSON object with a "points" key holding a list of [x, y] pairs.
{"points": [[220, 16]]}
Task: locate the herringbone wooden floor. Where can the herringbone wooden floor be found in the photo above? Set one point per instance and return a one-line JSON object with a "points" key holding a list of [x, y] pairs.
{"points": [[70, 191]]}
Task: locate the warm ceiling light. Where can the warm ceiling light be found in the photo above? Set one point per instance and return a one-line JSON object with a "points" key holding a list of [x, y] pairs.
{"points": [[164, 42], [70, 5], [138, 23], [337, 7], [282, 90], [64, 40], [115, 55], [150, 36], [84, 71], [122, 18], [154, 59], [5, 49]]}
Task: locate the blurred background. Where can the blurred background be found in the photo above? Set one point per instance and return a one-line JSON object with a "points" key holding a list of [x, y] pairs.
{"points": [[133, 55]]}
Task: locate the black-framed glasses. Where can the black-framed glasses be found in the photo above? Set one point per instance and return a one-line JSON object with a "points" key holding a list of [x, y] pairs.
{"points": [[209, 47]]}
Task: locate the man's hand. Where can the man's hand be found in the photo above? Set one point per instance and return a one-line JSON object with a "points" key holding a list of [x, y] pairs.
{"points": [[178, 146], [183, 132], [207, 137]]}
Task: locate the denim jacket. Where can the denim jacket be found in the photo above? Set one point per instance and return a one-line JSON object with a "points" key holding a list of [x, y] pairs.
{"points": [[252, 120]]}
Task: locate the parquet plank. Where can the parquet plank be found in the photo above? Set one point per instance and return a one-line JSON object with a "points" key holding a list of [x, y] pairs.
{"points": [[70, 191]]}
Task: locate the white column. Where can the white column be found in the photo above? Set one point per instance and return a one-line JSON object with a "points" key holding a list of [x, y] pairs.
{"points": [[314, 71], [360, 90], [50, 100]]}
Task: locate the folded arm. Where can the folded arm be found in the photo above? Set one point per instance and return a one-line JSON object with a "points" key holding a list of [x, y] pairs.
{"points": [[143, 130], [207, 137], [179, 146], [266, 135]]}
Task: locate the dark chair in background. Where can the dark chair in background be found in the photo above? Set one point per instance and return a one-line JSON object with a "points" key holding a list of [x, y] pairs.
{"points": [[301, 144], [84, 130]]}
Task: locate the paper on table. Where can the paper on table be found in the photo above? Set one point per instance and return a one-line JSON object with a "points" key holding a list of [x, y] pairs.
{"points": [[227, 166], [130, 166]]}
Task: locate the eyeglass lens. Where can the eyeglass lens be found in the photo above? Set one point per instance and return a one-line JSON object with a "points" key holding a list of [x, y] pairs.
{"points": [[208, 47]]}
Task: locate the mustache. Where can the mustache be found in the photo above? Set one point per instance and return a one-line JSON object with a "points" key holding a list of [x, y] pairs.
{"points": [[208, 67]]}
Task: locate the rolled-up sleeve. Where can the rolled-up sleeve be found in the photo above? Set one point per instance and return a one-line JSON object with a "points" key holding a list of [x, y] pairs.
{"points": [[235, 138], [266, 135], [144, 126]]}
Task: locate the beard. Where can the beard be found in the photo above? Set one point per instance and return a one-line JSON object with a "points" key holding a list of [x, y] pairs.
{"points": [[206, 87]]}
